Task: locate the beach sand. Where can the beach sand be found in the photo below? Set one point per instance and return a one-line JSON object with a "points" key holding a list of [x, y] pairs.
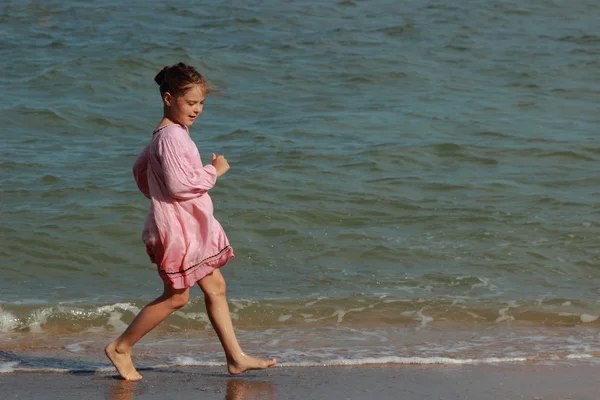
{"points": [[515, 381]]}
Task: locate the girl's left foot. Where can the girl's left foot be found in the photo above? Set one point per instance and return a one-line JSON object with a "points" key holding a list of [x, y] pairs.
{"points": [[122, 362], [245, 363]]}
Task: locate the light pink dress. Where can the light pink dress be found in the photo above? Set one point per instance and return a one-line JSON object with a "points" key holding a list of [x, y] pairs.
{"points": [[182, 236]]}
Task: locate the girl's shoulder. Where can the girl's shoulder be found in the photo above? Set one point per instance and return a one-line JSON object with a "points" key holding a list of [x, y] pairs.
{"points": [[170, 128], [171, 133], [171, 139]]}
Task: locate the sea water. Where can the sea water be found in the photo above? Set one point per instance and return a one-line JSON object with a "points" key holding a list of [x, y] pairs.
{"points": [[411, 182]]}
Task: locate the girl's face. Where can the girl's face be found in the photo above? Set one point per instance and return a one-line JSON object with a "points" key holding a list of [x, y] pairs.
{"points": [[184, 109]]}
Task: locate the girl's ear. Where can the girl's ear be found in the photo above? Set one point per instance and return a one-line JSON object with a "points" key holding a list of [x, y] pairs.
{"points": [[168, 99]]}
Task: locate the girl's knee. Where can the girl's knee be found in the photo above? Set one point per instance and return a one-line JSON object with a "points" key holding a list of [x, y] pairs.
{"points": [[214, 285], [179, 300]]}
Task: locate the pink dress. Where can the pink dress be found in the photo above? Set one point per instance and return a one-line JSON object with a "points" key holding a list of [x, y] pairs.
{"points": [[182, 236]]}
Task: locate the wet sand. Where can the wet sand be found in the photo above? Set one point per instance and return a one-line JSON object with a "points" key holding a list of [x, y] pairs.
{"points": [[515, 381]]}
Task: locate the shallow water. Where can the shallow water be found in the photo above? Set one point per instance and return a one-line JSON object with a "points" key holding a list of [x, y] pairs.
{"points": [[410, 167]]}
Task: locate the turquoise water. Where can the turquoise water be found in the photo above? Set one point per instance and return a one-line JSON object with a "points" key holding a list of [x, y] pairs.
{"points": [[400, 171]]}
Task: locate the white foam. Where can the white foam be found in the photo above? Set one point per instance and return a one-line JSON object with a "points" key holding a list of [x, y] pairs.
{"points": [[200, 317], [424, 319], [316, 319], [113, 307], [8, 321], [240, 304], [340, 313], [472, 314], [77, 347], [39, 318], [585, 318], [405, 361], [8, 367], [313, 302], [190, 361], [27, 302], [114, 316], [397, 300], [187, 361], [483, 282], [114, 320], [578, 356], [12, 367], [503, 316]]}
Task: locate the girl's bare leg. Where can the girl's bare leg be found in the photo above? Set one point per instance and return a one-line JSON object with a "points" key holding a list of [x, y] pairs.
{"points": [[213, 286], [119, 351]]}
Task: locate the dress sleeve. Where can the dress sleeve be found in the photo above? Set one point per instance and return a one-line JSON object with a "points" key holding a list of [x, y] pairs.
{"points": [[185, 177], [140, 172]]}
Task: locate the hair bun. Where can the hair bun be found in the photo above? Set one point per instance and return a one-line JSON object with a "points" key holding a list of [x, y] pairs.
{"points": [[160, 77]]}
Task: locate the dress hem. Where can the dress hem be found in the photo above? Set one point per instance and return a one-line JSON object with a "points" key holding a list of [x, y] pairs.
{"points": [[188, 277]]}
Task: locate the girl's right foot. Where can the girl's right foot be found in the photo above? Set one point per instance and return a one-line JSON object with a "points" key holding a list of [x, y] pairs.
{"points": [[122, 362], [245, 363]]}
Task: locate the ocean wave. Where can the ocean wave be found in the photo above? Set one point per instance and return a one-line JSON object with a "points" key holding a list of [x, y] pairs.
{"points": [[417, 312]]}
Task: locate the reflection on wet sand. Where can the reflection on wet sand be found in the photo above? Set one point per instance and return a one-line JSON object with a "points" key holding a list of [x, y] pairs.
{"points": [[237, 389], [241, 389], [122, 390]]}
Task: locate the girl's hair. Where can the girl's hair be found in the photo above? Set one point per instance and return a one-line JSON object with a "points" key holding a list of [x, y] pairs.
{"points": [[179, 78]]}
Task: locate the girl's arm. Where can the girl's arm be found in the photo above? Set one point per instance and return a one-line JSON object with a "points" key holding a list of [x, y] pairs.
{"points": [[185, 177], [140, 172]]}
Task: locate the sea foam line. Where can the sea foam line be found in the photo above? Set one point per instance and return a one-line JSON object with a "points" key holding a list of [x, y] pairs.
{"points": [[405, 361], [190, 361], [13, 366]]}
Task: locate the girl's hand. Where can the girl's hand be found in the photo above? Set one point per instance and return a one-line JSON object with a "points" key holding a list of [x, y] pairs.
{"points": [[221, 165]]}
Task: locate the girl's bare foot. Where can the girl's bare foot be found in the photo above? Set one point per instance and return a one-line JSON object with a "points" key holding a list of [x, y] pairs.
{"points": [[244, 363], [122, 362]]}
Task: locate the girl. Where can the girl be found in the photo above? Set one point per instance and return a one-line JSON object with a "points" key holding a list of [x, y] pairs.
{"points": [[182, 236]]}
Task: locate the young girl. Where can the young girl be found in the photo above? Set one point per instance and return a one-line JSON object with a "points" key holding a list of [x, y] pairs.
{"points": [[182, 236]]}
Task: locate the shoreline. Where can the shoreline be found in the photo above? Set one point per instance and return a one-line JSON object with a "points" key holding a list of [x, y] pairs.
{"points": [[514, 381]]}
